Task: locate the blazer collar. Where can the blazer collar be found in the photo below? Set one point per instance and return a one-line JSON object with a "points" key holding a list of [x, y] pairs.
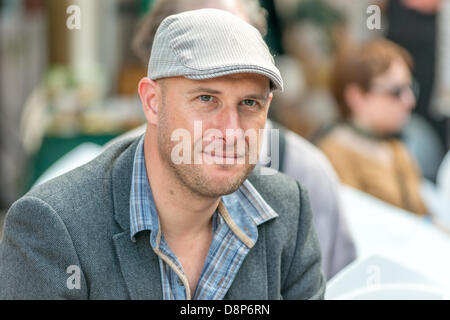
{"points": [[121, 184], [138, 262]]}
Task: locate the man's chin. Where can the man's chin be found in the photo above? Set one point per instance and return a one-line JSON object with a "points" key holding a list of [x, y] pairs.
{"points": [[226, 179]]}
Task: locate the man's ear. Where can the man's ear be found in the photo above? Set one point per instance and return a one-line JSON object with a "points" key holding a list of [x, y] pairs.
{"points": [[150, 94]]}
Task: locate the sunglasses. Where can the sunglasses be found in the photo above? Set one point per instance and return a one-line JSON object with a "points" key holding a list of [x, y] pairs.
{"points": [[397, 92]]}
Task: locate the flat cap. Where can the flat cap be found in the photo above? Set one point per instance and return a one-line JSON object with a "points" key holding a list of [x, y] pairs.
{"points": [[210, 43]]}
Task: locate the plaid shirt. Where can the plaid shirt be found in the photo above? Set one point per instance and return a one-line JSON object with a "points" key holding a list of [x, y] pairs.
{"points": [[235, 232]]}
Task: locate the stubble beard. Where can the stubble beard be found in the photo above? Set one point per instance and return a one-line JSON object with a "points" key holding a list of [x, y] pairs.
{"points": [[191, 176]]}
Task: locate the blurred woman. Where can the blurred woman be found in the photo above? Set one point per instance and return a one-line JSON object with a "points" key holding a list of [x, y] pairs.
{"points": [[373, 87]]}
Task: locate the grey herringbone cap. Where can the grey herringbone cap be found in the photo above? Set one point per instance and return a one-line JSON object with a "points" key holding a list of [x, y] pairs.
{"points": [[210, 43]]}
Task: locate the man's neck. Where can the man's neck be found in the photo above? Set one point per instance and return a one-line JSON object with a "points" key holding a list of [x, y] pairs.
{"points": [[181, 213], [185, 218]]}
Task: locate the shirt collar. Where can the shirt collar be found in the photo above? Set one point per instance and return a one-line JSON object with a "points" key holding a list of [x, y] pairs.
{"points": [[143, 215], [248, 210], [243, 210]]}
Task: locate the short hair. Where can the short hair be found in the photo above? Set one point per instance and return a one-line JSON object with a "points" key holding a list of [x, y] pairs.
{"points": [[143, 39], [359, 65]]}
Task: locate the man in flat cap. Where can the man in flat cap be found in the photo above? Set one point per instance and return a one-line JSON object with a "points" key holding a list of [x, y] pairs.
{"points": [[181, 212]]}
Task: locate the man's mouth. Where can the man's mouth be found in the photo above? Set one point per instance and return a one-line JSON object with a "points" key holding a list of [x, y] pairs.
{"points": [[224, 155]]}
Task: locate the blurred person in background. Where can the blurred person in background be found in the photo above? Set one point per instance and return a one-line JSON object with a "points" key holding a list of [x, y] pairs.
{"points": [[312, 29], [372, 85], [413, 24], [298, 158]]}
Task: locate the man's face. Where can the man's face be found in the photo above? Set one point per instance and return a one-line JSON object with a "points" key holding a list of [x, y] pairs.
{"points": [[219, 162]]}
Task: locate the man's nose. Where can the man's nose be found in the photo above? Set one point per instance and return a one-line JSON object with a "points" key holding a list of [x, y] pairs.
{"points": [[229, 123], [228, 119]]}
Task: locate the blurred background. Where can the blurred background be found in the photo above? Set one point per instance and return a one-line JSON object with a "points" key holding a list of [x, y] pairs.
{"points": [[62, 87]]}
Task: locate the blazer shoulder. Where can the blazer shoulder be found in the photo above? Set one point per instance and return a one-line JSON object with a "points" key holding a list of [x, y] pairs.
{"points": [[284, 194], [86, 186]]}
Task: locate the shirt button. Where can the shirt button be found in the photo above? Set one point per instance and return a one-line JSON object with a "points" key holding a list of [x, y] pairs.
{"points": [[180, 282]]}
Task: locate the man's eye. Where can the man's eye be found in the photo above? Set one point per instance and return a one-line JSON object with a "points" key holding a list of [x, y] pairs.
{"points": [[206, 98], [249, 103]]}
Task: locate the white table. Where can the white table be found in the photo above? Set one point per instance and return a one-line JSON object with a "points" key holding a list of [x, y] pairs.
{"points": [[379, 228]]}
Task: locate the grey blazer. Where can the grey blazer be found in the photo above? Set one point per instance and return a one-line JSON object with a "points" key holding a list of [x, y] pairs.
{"points": [[80, 222]]}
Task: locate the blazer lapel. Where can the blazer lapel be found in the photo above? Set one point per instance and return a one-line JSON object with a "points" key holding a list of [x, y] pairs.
{"points": [[251, 280], [138, 262], [140, 266]]}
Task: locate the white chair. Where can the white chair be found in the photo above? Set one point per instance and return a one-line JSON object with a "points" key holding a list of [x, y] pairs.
{"points": [[381, 229], [437, 196], [424, 144], [380, 278], [396, 292], [78, 156], [443, 178]]}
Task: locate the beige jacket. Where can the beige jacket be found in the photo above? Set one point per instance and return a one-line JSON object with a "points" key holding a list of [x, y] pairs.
{"points": [[380, 167]]}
